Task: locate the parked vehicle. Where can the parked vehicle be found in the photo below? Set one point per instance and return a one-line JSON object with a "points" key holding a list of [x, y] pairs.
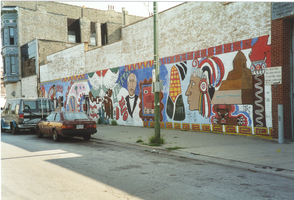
{"points": [[23, 114], [66, 123]]}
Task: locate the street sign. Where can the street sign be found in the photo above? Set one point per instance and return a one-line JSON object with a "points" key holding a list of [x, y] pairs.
{"points": [[273, 75]]}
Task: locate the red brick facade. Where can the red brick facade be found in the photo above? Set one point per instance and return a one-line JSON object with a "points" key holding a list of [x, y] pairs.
{"points": [[280, 56]]}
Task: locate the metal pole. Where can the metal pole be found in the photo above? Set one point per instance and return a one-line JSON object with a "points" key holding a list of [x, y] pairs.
{"points": [[291, 82], [281, 123], [156, 67]]}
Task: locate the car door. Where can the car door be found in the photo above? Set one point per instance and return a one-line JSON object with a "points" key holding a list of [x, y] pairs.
{"points": [[45, 125], [56, 124]]}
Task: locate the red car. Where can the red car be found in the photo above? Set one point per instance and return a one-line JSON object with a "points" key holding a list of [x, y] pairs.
{"points": [[66, 123]]}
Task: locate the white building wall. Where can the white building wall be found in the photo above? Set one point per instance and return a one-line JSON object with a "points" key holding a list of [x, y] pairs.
{"points": [[14, 87], [29, 87], [65, 63], [189, 27]]}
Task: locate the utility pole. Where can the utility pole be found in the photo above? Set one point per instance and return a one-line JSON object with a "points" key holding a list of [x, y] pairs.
{"points": [[156, 82]]}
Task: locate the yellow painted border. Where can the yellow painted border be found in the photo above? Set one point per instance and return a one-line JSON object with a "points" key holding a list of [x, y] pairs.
{"points": [[186, 126], [245, 130], [260, 131], [177, 126], [205, 127], [169, 125], [195, 127], [230, 129], [152, 124], [145, 123], [217, 128]]}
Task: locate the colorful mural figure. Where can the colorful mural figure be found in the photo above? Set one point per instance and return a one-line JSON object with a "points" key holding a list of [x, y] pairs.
{"points": [[260, 58], [229, 115], [207, 74], [132, 98], [175, 108]]}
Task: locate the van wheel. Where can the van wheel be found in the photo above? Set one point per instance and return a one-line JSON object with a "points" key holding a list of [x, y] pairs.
{"points": [[56, 137], [14, 130], [87, 137], [39, 133]]}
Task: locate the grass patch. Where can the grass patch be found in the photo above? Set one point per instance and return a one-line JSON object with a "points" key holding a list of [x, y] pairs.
{"points": [[174, 148], [138, 141], [153, 141], [113, 122]]}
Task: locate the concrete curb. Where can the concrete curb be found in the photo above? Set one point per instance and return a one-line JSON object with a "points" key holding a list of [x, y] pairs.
{"points": [[206, 158]]}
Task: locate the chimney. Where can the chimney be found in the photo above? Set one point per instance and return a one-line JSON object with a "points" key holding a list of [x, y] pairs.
{"points": [[86, 46], [110, 7]]}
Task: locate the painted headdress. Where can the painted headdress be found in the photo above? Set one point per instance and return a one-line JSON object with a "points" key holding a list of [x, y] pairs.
{"points": [[211, 72]]}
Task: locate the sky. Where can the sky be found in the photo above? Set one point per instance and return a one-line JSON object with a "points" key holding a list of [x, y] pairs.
{"points": [[138, 8]]}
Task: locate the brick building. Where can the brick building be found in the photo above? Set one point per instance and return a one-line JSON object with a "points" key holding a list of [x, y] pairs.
{"points": [[282, 31], [31, 30]]}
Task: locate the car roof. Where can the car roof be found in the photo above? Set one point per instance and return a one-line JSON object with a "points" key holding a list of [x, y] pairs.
{"points": [[67, 112], [29, 99]]}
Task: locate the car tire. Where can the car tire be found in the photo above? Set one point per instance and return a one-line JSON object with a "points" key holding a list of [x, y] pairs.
{"points": [[56, 136], [87, 137], [39, 133], [14, 130]]}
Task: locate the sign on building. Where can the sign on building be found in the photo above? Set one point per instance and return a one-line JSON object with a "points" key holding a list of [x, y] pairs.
{"points": [[273, 76], [283, 9]]}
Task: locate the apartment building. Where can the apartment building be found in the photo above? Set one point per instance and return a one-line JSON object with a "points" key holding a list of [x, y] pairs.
{"points": [[31, 30]]}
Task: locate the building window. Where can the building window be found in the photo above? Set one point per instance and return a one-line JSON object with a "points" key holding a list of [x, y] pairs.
{"points": [[93, 34], [73, 29], [104, 34], [11, 36], [71, 37], [13, 67]]}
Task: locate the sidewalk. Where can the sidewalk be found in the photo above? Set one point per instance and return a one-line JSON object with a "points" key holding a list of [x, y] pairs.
{"points": [[246, 152]]}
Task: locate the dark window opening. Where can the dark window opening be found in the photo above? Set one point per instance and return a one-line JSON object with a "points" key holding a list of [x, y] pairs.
{"points": [[4, 65], [104, 34], [28, 65], [74, 32], [11, 36], [93, 34]]}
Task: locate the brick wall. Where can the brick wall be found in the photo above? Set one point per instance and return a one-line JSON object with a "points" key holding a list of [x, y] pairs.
{"points": [[281, 44], [185, 28]]}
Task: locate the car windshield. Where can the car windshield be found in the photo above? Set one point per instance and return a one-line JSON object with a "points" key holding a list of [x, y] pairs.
{"points": [[73, 116]]}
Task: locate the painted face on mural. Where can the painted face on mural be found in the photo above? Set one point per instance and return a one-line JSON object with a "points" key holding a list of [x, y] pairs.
{"points": [[193, 92], [132, 83]]}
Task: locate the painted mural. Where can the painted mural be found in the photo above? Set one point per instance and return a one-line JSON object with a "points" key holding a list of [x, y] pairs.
{"points": [[221, 86]]}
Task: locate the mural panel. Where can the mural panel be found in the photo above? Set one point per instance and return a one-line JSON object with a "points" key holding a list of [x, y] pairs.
{"points": [[222, 85]]}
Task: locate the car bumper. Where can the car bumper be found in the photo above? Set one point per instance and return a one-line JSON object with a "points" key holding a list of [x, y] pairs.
{"points": [[78, 132], [26, 126]]}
